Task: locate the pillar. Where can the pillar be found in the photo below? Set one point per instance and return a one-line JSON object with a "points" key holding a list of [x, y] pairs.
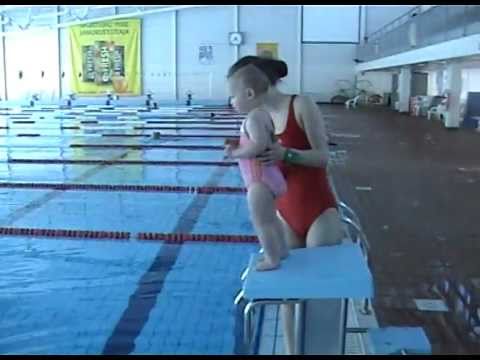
{"points": [[404, 85], [453, 84]]}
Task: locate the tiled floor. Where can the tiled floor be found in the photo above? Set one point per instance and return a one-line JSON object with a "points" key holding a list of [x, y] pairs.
{"points": [[418, 213]]}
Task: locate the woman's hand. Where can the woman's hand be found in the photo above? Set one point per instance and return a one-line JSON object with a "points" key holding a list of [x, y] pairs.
{"points": [[230, 145], [272, 155], [228, 151]]}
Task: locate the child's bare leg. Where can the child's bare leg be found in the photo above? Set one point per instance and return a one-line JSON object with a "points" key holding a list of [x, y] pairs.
{"points": [[261, 203], [281, 243]]}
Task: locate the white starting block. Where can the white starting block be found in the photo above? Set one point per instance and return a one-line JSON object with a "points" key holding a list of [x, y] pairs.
{"points": [[326, 272]]}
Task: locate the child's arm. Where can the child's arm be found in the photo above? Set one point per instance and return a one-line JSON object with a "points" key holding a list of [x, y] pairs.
{"points": [[258, 132]]}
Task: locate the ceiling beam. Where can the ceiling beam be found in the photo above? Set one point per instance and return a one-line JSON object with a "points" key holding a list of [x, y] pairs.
{"points": [[105, 18]]}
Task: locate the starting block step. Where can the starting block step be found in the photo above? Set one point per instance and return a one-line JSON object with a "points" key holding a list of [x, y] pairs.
{"points": [[393, 340]]}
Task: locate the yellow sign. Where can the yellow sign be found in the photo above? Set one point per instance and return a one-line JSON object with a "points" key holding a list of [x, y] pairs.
{"points": [[106, 57], [267, 50]]}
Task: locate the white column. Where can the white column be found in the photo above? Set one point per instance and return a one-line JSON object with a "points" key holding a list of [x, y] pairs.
{"points": [[404, 85], [59, 48], [412, 34], [236, 28], [299, 49], [363, 23], [3, 64], [453, 84], [175, 55]]}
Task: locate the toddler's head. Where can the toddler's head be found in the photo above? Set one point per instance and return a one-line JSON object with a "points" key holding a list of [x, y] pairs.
{"points": [[250, 78]]}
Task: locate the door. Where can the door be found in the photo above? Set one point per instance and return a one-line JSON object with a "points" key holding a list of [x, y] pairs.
{"points": [[419, 84]]}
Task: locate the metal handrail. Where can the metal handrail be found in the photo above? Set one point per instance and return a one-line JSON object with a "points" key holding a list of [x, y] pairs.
{"points": [[363, 238], [365, 246], [344, 206], [383, 29]]}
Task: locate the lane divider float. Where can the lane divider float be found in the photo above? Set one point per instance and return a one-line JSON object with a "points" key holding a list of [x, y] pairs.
{"points": [[150, 146], [123, 187], [120, 235], [177, 238], [122, 162], [170, 238]]}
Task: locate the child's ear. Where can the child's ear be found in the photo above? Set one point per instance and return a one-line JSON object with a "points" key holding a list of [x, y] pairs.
{"points": [[250, 93]]}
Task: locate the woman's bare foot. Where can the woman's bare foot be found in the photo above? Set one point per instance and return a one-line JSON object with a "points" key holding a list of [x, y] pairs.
{"points": [[283, 253], [264, 264], [282, 249], [261, 257]]}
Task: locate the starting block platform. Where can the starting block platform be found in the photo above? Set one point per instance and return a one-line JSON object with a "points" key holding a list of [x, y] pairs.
{"points": [[322, 273]]}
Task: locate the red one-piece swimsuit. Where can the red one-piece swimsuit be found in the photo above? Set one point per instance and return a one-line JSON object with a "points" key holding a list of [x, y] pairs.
{"points": [[308, 191]]}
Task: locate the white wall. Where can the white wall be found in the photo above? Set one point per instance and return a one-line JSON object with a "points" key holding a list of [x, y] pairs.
{"points": [[210, 26], [2, 72], [321, 23], [204, 26], [31, 53], [470, 82], [319, 66], [282, 28], [158, 55], [323, 66], [381, 81], [65, 62]]}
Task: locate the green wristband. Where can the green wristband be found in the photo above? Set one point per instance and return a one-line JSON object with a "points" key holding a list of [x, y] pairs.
{"points": [[290, 157]]}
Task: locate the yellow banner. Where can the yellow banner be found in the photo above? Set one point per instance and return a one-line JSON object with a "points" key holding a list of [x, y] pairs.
{"points": [[106, 57]]}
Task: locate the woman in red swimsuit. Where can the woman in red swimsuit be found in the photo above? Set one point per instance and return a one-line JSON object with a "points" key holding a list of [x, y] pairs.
{"points": [[308, 209]]}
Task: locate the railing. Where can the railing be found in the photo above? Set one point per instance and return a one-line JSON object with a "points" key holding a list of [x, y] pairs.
{"points": [[417, 29], [395, 23]]}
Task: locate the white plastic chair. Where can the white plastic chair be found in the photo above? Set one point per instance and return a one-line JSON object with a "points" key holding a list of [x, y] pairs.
{"points": [[439, 111], [352, 103]]}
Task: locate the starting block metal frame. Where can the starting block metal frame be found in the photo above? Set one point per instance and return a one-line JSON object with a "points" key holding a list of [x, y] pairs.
{"points": [[307, 274]]}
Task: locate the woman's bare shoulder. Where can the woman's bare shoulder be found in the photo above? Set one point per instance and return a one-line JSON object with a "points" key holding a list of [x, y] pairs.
{"points": [[306, 111], [303, 102]]}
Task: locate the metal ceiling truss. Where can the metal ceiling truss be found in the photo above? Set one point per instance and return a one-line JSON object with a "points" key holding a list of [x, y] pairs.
{"points": [[19, 19]]}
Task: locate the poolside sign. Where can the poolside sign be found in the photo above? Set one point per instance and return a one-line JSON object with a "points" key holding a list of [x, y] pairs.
{"points": [[105, 56]]}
